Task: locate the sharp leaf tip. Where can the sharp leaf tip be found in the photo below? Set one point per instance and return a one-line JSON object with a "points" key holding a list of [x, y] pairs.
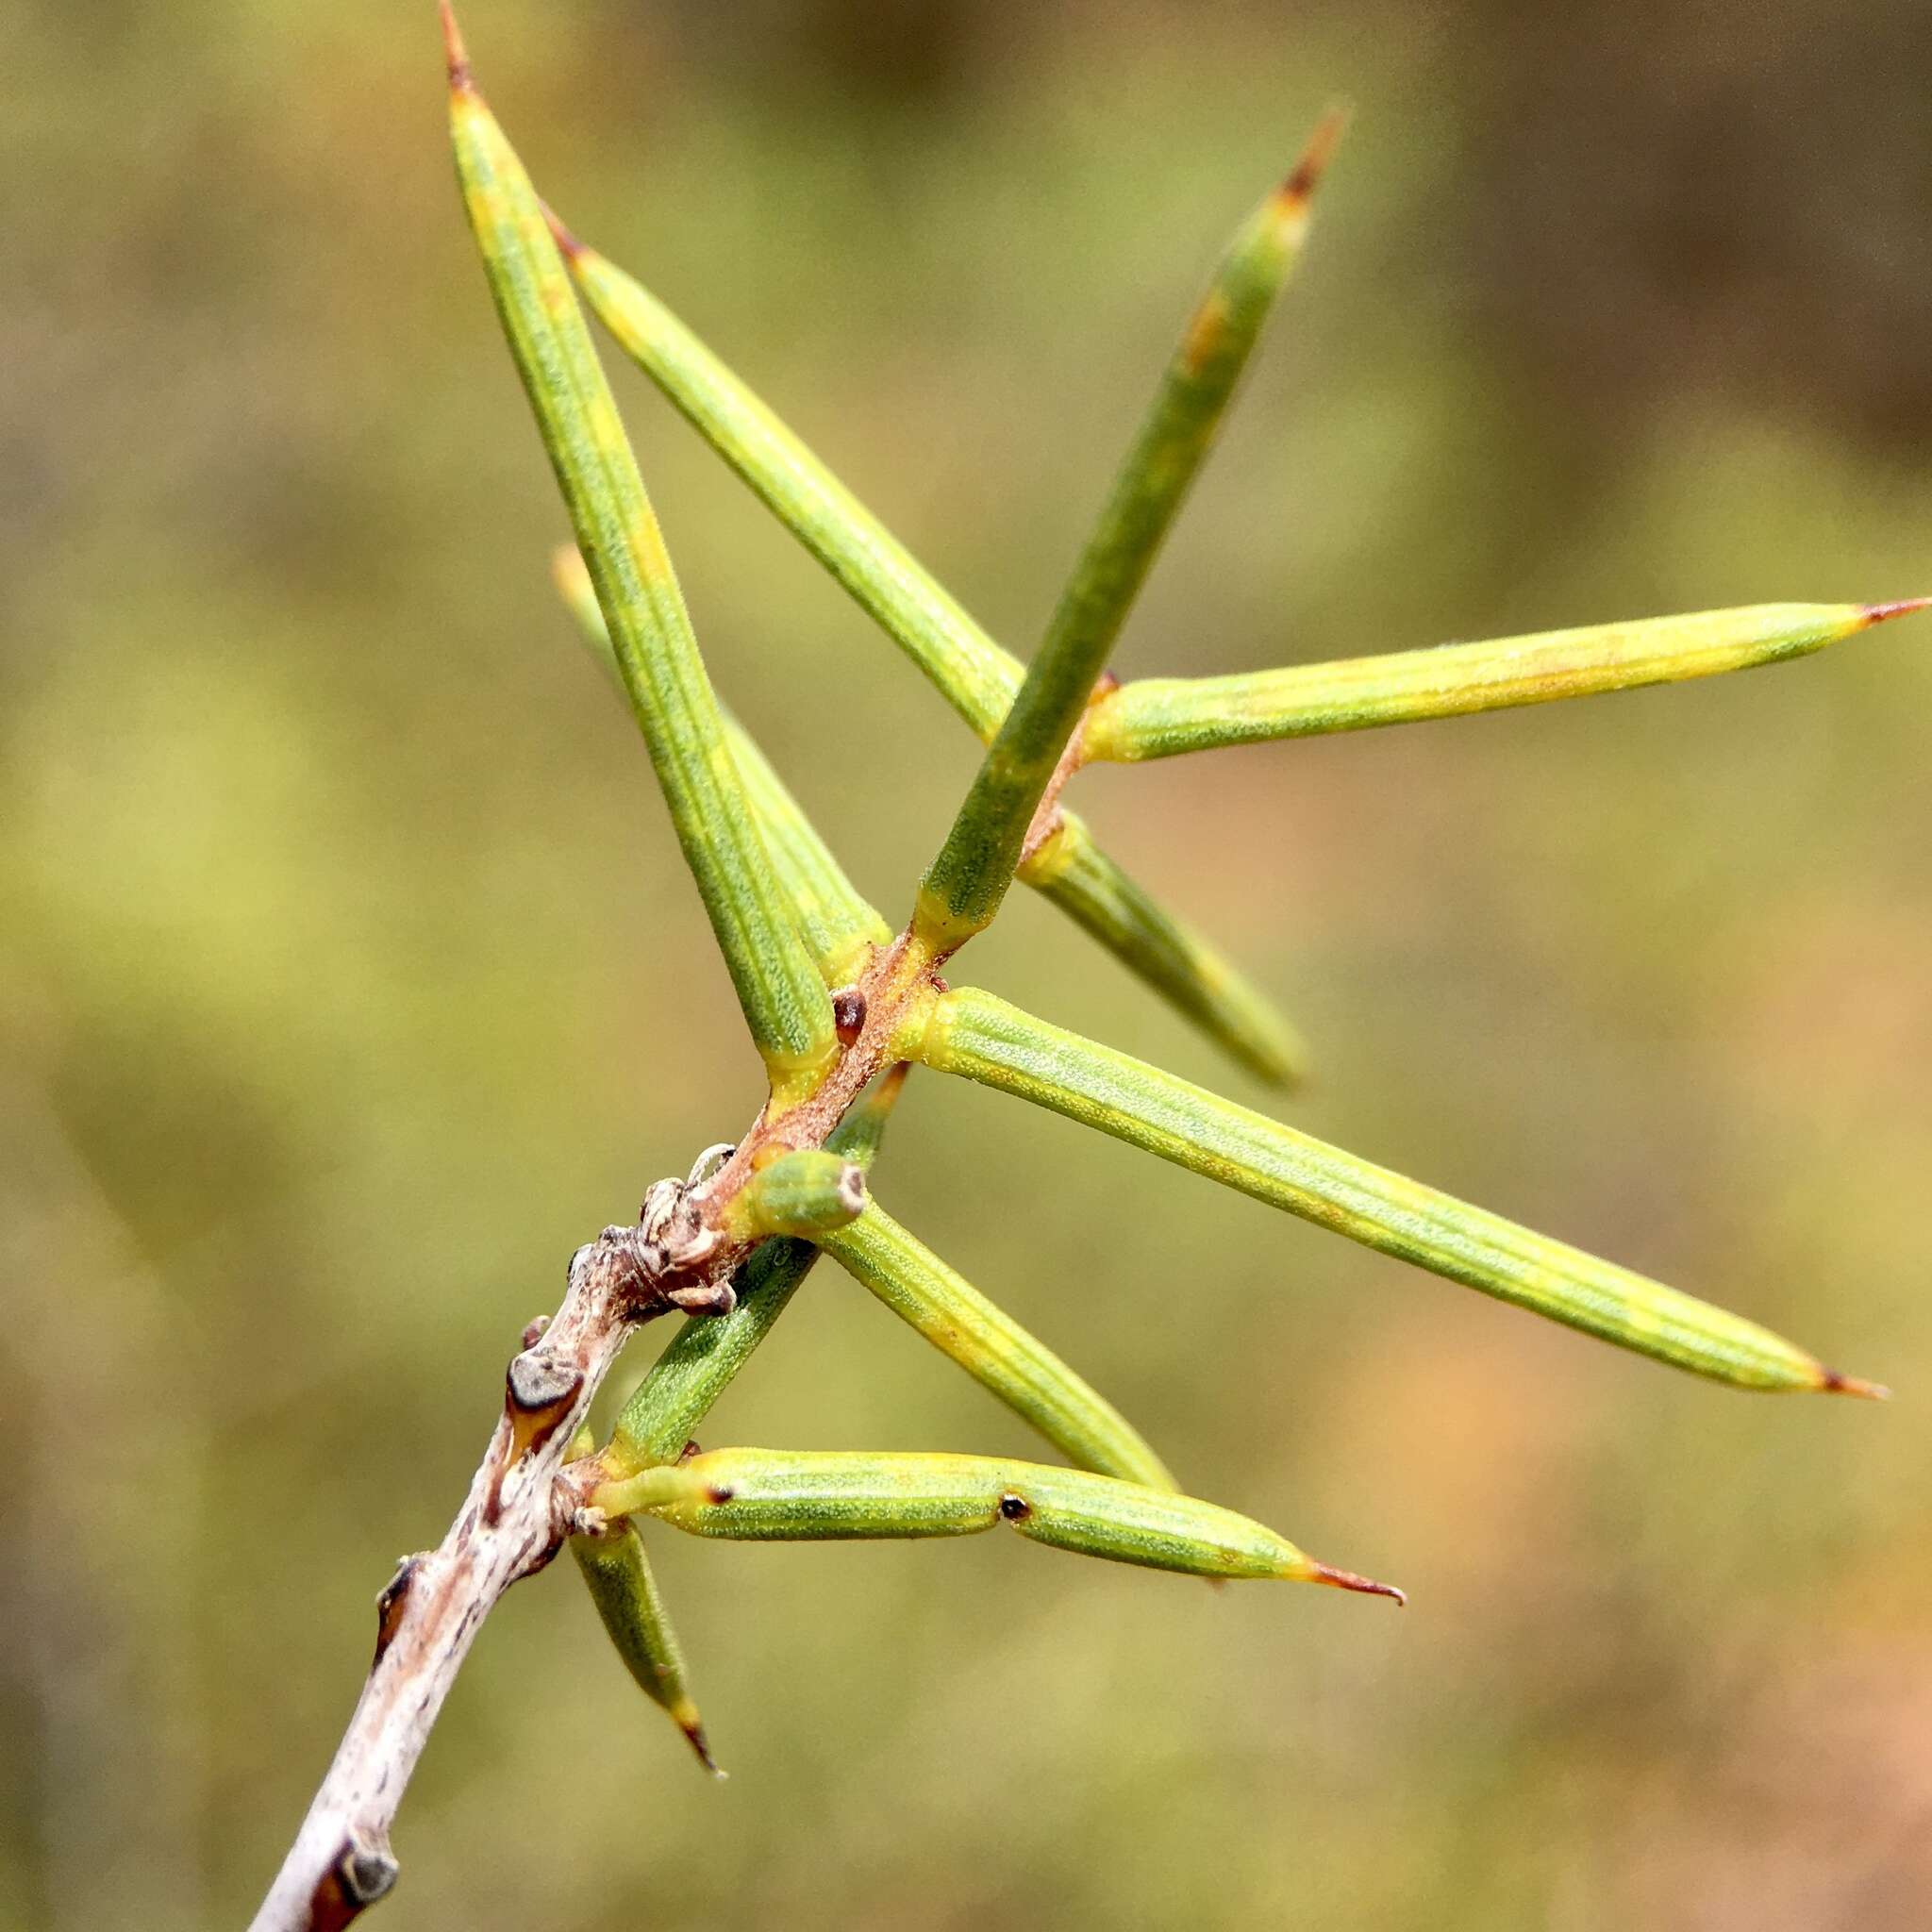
{"points": [[1836, 1384], [1306, 176], [1904, 606], [454, 50], [567, 244], [1347, 1580]]}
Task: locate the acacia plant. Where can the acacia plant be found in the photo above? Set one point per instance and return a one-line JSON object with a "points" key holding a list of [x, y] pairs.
{"points": [[841, 1005]]}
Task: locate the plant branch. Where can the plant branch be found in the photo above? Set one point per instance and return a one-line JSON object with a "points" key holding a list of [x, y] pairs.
{"points": [[518, 1511], [512, 1523]]}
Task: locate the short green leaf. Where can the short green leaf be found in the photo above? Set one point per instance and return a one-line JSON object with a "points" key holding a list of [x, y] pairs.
{"points": [[1157, 717], [779, 989], [992, 1348], [793, 1495], [975, 1034], [621, 1586]]}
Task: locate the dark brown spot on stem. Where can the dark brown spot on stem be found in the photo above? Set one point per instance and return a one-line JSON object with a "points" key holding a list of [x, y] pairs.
{"points": [[1015, 1508], [390, 1602], [537, 1382], [362, 1875], [848, 1014], [719, 1492], [539, 1388], [368, 1872]]}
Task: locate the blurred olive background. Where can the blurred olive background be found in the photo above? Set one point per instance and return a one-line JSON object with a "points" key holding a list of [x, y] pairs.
{"points": [[348, 977]]}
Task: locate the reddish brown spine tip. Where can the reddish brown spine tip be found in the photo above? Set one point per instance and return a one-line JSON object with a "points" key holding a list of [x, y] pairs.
{"points": [[454, 50], [1307, 176], [1877, 613], [694, 1734], [1347, 1580], [567, 243], [1836, 1384]]}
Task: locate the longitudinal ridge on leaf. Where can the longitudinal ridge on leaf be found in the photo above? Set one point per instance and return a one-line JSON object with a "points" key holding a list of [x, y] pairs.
{"points": [[985, 1039], [1158, 717]]}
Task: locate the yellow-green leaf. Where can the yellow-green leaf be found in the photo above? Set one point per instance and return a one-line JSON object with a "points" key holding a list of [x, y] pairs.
{"points": [[791, 1495], [782, 995]]}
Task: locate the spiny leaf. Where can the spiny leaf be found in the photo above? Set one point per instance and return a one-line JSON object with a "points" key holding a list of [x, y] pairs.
{"points": [[1157, 717], [789, 1495], [965, 884], [974, 1034], [699, 1362], [838, 927], [782, 996], [621, 1586], [992, 1348], [1071, 871], [969, 670], [972, 672]]}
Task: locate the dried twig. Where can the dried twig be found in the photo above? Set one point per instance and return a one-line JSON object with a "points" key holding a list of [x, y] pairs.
{"points": [[511, 1524]]}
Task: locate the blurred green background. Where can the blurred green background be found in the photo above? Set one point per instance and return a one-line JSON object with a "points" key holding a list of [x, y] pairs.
{"points": [[348, 977]]}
